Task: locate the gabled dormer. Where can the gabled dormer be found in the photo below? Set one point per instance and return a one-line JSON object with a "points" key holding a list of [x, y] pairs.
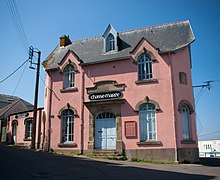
{"points": [[110, 40]]}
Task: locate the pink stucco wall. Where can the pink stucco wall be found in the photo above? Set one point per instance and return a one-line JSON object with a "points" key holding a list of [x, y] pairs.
{"points": [[126, 72], [20, 135], [60, 99], [167, 92], [181, 63]]}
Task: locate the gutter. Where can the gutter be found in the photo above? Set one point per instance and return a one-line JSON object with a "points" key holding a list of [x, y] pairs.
{"points": [[104, 61], [174, 107], [48, 122], [82, 111]]}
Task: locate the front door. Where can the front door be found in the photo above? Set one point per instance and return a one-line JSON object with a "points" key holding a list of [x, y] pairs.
{"points": [[14, 131], [105, 131]]}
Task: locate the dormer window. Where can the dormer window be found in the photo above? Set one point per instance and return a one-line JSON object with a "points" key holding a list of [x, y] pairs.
{"points": [[110, 39], [110, 43]]}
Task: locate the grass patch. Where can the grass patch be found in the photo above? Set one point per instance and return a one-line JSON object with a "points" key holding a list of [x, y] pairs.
{"points": [[152, 162]]}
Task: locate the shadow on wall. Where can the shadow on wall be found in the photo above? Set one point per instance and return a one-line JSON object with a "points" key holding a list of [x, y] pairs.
{"points": [[10, 139], [127, 110]]}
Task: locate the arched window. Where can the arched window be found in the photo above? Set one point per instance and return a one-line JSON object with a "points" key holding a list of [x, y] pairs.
{"points": [[185, 113], [67, 126], [144, 67], [28, 128], [147, 115], [69, 76], [110, 43]]}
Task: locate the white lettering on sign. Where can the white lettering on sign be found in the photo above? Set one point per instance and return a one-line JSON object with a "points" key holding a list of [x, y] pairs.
{"points": [[105, 95], [21, 115]]}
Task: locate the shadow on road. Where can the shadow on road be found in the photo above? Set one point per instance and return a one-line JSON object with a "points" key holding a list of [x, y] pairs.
{"points": [[24, 164], [212, 162]]}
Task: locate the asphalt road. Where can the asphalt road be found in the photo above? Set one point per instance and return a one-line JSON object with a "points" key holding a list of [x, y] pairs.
{"points": [[22, 164]]}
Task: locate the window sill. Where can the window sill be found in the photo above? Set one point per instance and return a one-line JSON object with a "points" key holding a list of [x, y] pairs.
{"points": [[68, 145], [150, 143], [71, 89], [188, 141], [146, 81], [27, 139]]}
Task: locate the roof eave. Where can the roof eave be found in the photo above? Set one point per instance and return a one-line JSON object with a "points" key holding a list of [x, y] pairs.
{"points": [[104, 61], [176, 49]]}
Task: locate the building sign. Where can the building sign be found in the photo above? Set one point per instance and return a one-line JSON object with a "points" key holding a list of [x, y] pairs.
{"points": [[105, 95], [21, 115]]}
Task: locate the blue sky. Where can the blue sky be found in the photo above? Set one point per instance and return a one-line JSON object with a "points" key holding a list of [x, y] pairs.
{"points": [[44, 22]]}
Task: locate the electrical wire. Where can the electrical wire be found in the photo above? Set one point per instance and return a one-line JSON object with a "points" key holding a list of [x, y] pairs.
{"points": [[20, 23], [199, 124], [14, 71], [20, 78], [214, 132], [16, 20], [199, 95], [50, 89]]}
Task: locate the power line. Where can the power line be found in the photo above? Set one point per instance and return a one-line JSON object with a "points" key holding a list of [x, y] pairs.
{"points": [[20, 79], [206, 84], [20, 23], [50, 88], [16, 20], [209, 133], [14, 71], [199, 124], [199, 95]]}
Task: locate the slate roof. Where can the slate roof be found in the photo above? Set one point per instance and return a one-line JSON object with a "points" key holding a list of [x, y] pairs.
{"points": [[166, 38], [12, 104]]}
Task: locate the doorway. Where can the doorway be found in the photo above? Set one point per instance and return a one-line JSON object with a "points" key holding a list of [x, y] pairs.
{"points": [[105, 131], [14, 132]]}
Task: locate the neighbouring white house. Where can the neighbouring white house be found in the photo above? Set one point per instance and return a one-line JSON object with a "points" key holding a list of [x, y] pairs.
{"points": [[209, 148]]}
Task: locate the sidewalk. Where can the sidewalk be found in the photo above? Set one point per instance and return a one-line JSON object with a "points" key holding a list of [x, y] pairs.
{"points": [[207, 166]]}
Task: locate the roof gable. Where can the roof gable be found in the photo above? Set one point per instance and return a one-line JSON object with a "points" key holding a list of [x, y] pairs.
{"points": [[109, 30], [66, 55], [13, 104]]}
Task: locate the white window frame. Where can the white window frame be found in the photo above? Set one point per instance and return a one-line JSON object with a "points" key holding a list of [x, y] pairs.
{"points": [[67, 126], [148, 126], [28, 128], [186, 125], [110, 43], [145, 67], [69, 76]]}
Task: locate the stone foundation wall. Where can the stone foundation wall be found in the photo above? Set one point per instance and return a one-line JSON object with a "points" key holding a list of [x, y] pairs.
{"points": [[152, 154], [189, 155], [70, 152]]}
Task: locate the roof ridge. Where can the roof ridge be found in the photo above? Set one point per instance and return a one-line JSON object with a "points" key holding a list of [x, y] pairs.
{"points": [[160, 25], [137, 29], [90, 38]]}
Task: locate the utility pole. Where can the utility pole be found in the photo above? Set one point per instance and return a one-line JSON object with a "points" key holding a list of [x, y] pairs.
{"points": [[31, 53], [207, 84]]}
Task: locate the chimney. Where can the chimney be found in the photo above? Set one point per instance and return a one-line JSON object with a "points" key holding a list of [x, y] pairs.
{"points": [[64, 40]]}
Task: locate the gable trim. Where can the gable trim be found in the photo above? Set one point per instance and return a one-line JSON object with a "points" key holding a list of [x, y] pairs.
{"points": [[67, 53]]}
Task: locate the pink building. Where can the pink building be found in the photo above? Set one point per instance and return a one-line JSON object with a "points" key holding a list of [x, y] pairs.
{"points": [[20, 128], [124, 93]]}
